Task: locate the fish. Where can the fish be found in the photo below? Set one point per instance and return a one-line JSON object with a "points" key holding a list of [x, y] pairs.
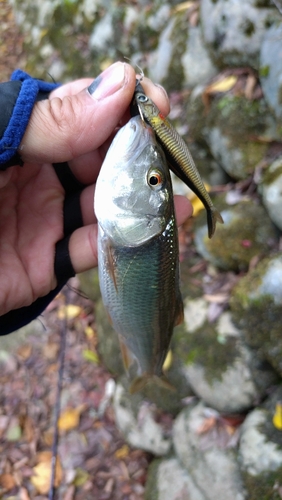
{"points": [[138, 257], [177, 153]]}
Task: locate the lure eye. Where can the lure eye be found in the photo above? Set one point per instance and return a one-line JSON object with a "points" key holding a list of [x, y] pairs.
{"points": [[155, 180], [142, 98]]}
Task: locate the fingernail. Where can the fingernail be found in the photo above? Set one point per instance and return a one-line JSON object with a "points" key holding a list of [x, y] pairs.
{"points": [[108, 82]]}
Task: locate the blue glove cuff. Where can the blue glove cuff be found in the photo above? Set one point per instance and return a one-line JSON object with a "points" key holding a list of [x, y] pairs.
{"points": [[18, 122]]}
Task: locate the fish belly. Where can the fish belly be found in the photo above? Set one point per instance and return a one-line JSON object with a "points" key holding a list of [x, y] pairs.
{"points": [[140, 290]]}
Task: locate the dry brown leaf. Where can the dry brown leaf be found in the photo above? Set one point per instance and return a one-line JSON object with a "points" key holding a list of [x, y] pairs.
{"points": [[41, 478], [183, 6], [207, 425], [24, 351], [7, 481]]}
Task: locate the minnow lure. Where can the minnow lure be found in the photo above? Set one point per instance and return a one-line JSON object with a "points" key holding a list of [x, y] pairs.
{"points": [[176, 151]]}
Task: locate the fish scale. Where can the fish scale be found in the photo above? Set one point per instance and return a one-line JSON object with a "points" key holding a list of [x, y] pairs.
{"points": [[138, 257]]}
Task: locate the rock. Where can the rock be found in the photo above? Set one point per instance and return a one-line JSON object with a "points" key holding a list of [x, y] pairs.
{"points": [[271, 188], [260, 450], [212, 465], [135, 419], [168, 480], [234, 244], [271, 68], [220, 369], [197, 64], [256, 304], [233, 30]]}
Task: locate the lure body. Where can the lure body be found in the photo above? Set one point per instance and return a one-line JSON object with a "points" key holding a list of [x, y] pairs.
{"points": [[177, 153]]}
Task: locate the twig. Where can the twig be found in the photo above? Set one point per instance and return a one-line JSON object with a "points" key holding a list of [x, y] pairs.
{"points": [[58, 401]]}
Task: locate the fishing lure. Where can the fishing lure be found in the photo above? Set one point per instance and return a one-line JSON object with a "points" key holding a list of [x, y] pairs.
{"points": [[176, 151]]}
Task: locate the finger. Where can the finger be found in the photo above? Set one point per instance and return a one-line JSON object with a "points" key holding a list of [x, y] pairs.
{"points": [[183, 209], [62, 129]]}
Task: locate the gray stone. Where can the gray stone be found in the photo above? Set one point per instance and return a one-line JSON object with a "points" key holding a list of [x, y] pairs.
{"points": [[256, 306], [135, 419], [197, 64], [213, 468], [168, 480], [220, 369], [234, 244], [271, 68], [257, 453], [233, 30], [271, 188]]}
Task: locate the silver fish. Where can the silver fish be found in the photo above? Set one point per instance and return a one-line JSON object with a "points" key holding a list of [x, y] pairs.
{"points": [[138, 249]]}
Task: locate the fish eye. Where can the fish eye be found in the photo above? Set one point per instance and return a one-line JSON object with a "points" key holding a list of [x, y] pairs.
{"points": [[142, 98], [155, 179]]}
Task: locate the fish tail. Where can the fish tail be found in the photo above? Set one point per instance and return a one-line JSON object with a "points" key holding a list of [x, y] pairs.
{"points": [[213, 217], [140, 382]]}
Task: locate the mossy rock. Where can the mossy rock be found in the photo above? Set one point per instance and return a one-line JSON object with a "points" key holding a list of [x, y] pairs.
{"points": [[247, 232], [256, 304]]}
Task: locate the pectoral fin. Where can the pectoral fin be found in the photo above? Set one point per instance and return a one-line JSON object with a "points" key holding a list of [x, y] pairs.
{"points": [[126, 354], [111, 267]]}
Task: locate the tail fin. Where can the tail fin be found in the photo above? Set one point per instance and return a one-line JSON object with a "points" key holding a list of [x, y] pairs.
{"points": [[213, 216]]}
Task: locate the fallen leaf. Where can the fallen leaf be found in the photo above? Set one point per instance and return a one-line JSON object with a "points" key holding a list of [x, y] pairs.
{"points": [[69, 311], [277, 417], [69, 418], [89, 332], [122, 452], [7, 481], [24, 351], [41, 478], [14, 431], [207, 425], [183, 6], [168, 360], [222, 85], [81, 477], [91, 356]]}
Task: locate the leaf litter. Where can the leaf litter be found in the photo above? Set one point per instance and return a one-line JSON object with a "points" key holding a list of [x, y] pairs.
{"points": [[93, 459]]}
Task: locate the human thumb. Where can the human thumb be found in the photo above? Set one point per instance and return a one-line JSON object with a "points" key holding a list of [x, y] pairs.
{"points": [[68, 125]]}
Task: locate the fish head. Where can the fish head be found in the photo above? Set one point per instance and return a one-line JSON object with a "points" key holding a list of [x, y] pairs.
{"points": [[133, 195]]}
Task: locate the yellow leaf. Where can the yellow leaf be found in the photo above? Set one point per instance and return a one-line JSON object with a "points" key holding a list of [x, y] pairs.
{"points": [[81, 477], [91, 356], [69, 419], [89, 332], [70, 311], [167, 361], [122, 452], [42, 473], [222, 85], [277, 417], [196, 202], [183, 6]]}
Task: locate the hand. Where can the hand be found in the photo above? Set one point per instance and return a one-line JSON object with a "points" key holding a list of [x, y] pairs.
{"points": [[73, 126]]}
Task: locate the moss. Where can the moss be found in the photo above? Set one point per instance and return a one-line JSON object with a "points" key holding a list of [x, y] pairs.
{"points": [[264, 71], [258, 317], [179, 37], [264, 486], [248, 27], [271, 174], [204, 349], [235, 244]]}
